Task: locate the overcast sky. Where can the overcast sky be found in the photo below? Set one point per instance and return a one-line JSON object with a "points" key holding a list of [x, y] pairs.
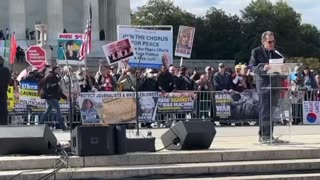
{"points": [[307, 8]]}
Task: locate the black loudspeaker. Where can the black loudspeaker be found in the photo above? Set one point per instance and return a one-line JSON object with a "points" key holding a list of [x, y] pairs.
{"points": [[121, 139], [93, 140], [189, 135], [141, 144], [33, 140]]}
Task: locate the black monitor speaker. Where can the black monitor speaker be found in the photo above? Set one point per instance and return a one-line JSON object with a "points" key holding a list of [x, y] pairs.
{"points": [[189, 135], [31, 140]]}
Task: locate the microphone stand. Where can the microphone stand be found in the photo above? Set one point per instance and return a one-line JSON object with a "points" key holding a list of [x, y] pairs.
{"points": [[70, 85], [137, 100]]}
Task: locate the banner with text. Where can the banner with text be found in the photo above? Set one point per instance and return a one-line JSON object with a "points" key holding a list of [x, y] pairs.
{"points": [[178, 102], [237, 106], [153, 48], [111, 107]]}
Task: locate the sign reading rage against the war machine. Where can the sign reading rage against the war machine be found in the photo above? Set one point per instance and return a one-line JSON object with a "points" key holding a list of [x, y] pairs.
{"points": [[153, 47]]}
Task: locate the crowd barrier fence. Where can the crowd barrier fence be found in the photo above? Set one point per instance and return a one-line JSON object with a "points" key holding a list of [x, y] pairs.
{"points": [[216, 106]]}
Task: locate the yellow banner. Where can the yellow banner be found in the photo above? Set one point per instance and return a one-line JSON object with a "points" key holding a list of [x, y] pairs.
{"points": [[10, 100], [29, 93]]}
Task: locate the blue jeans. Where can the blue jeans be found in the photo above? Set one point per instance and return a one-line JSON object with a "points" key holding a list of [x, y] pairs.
{"points": [[53, 104]]}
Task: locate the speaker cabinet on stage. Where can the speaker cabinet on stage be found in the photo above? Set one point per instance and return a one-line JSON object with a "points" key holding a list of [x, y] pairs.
{"points": [[141, 144], [33, 140], [189, 135], [93, 140], [121, 139]]}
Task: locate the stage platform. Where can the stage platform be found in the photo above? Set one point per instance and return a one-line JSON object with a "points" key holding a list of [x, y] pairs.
{"points": [[234, 154]]}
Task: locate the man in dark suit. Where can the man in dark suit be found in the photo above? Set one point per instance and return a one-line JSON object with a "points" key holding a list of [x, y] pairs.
{"points": [[262, 55], [5, 77]]}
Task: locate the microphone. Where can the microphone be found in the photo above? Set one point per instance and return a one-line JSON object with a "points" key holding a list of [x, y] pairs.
{"points": [[276, 51]]}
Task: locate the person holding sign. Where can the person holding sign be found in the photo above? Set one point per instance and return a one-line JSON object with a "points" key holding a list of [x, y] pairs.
{"points": [[263, 54]]}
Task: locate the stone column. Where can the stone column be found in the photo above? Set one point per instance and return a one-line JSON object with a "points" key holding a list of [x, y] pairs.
{"points": [[118, 14], [95, 17], [55, 19], [17, 18]]}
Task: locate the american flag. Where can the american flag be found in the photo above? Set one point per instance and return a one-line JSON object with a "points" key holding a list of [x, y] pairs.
{"points": [[86, 44]]}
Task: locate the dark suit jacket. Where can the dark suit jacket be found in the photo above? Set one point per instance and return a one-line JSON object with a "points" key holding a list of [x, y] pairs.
{"points": [[260, 55]]}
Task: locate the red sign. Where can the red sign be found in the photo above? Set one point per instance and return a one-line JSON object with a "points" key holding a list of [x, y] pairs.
{"points": [[36, 57]]}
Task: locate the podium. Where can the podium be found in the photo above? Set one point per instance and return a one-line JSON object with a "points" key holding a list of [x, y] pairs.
{"points": [[274, 90]]}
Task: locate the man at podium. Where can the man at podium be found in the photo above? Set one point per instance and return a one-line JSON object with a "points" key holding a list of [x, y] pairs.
{"points": [[259, 61]]}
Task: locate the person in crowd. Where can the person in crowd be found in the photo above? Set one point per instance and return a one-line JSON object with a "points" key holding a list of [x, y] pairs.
{"points": [[248, 78], [127, 82], [102, 35], [52, 93], [27, 34], [148, 81], [86, 82], [166, 80], [209, 74], [7, 34], [317, 77], [260, 55], [114, 74], [33, 76], [5, 77], [196, 75], [20, 55], [203, 105], [222, 80], [104, 80], [67, 77], [2, 35], [183, 82], [238, 79], [309, 84]]}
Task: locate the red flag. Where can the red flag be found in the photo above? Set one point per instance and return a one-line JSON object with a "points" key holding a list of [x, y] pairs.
{"points": [[86, 44], [13, 48]]}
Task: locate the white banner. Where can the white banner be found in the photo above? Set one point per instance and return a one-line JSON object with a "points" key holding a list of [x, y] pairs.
{"points": [[152, 47], [311, 112]]}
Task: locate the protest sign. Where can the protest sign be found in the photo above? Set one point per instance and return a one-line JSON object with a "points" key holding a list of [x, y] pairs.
{"points": [[29, 96], [184, 41], [311, 112], [153, 47], [223, 105], [180, 102], [89, 113], [147, 106], [68, 48], [10, 100], [118, 50]]}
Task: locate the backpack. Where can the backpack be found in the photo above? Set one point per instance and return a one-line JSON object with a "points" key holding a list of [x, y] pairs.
{"points": [[42, 89]]}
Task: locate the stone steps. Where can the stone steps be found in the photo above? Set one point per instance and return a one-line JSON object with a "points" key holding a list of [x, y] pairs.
{"points": [[164, 157], [216, 169]]}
